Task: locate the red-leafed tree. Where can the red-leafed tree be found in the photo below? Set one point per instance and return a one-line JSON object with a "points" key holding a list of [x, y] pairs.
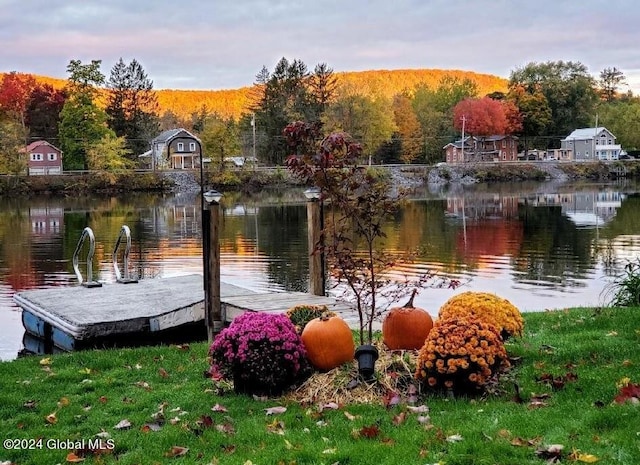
{"points": [[486, 116], [15, 89], [43, 112]]}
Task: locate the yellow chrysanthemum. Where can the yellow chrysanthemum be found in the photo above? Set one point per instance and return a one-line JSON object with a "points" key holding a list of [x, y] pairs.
{"points": [[489, 308]]}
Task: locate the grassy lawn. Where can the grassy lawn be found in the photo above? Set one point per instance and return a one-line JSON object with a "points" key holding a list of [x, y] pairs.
{"points": [[154, 405]]}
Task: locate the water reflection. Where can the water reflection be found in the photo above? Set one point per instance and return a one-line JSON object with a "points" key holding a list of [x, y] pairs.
{"points": [[539, 245]]}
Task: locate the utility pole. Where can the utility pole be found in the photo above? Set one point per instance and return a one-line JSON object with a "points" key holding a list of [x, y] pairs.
{"points": [[464, 119]]}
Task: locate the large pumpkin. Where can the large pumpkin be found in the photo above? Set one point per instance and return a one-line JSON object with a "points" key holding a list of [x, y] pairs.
{"points": [[407, 327], [328, 341]]}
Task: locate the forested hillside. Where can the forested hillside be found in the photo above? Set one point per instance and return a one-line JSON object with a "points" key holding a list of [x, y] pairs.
{"points": [[233, 102]]}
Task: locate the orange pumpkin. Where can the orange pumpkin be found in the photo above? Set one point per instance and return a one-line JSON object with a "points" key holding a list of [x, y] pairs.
{"points": [[407, 327], [328, 341]]}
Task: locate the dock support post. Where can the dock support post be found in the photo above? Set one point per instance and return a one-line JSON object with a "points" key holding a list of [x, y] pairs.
{"points": [[214, 316], [314, 230]]}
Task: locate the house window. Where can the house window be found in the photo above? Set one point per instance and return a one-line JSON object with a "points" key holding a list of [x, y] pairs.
{"points": [[36, 157], [192, 146], [180, 147], [52, 156], [504, 143]]}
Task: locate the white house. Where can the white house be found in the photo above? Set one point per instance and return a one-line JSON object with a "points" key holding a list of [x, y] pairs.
{"points": [[592, 144]]}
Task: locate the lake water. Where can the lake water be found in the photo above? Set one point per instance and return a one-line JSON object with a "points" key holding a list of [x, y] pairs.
{"points": [[542, 246]]}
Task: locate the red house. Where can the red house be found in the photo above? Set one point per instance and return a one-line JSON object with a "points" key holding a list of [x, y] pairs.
{"points": [[44, 158], [492, 148]]}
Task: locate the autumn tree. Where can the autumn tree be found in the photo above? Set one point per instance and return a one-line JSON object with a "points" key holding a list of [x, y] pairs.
{"points": [[570, 92], [610, 81], [82, 121], [110, 153], [43, 112], [409, 131], [535, 112], [434, 110], [486, 117], [15, 90], [219, 139], [12, 156], [132, 106], [368, 120]]}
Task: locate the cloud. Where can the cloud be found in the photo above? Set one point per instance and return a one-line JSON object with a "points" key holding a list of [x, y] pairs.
{"points": [[223, 44]]}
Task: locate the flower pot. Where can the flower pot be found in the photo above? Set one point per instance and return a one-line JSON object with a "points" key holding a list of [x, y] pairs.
{"points": [[366, 355]]}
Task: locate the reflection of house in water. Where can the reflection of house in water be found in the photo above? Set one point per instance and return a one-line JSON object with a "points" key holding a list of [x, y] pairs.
{"points": [[46, 221], [481, 206], [584, 209]]}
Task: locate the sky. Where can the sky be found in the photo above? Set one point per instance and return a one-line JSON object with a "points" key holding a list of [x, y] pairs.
{"points": [[223, 44]]}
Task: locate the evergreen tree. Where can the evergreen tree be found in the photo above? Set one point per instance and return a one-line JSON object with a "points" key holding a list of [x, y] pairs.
{"points": [[289, 93], [610, 80], [132, 106]]}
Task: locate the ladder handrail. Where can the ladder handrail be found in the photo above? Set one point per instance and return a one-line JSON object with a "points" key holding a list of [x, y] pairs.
{"points": [[126, 232], [86, 232]]}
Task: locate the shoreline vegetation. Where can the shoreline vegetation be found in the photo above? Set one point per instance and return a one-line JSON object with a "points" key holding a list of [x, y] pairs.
{"points": [[571, 396], [119, 182]]}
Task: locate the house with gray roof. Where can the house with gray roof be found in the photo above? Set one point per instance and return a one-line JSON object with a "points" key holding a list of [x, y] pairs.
{"points": [[176, 149], [591, 144]]}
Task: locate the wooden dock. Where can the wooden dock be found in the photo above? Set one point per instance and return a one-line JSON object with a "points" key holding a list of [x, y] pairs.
{"points": [[71, 317]]}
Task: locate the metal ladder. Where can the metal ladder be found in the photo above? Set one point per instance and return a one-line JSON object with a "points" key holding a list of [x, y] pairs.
{"points": [[86, 232], [126, 278]]}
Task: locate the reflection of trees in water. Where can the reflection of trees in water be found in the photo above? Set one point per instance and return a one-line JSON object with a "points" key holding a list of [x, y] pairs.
{"points": [[283, 235], [553, 250]]}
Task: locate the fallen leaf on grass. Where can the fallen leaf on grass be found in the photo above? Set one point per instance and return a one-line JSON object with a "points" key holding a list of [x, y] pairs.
{"points": [[162, 372], [370, 432], [580, 457], [73, 458], [276, 427], [329, 406], [123, 424], [226, 428], [275, 410], [390, 399], [400, 418], [63, 402], [454, 438], [45, 361], [424, 419], [349, 416], [30, 404], [219, 408], [418, 409], [176, 451], [151, 427], [52, 419], [144, 385], [520, 442], [628, 393], [552, 453]]}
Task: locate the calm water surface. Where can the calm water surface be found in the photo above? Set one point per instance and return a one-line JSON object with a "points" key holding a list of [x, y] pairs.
{"points": [[541, 246]]}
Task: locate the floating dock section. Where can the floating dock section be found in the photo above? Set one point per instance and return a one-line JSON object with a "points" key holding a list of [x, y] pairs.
{"points": [[75, 317]]}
